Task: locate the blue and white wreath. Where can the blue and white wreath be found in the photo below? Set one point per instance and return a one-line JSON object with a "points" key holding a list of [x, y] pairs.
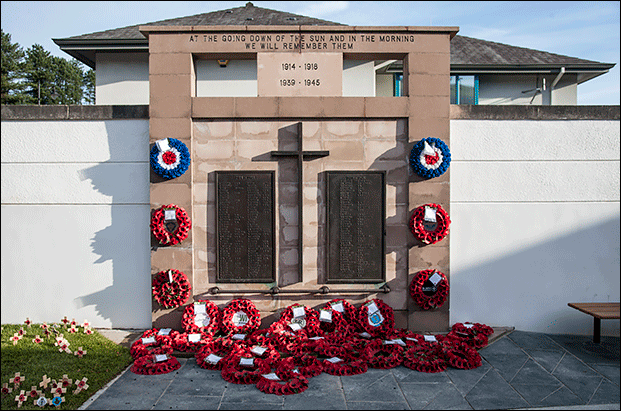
{"points": [[430, 157], [170, 158]]}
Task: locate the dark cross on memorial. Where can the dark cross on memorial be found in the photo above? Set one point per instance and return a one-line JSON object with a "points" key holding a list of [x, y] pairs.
{"points": [[300, 155]]}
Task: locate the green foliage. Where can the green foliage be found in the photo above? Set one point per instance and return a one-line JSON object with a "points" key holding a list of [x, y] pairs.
{"points": [[37, 77], [102, 362], [12, 67]]}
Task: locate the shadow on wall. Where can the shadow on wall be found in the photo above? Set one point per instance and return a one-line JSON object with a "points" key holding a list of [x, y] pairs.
{"points": [[531, 288], [127, 302]]}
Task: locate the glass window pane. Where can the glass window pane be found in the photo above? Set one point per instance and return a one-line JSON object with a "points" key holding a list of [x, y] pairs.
{"points": [[466, 90], [453, 89]]}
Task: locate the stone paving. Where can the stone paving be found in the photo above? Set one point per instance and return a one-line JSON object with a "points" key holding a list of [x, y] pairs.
{"points": [[520, 370]]}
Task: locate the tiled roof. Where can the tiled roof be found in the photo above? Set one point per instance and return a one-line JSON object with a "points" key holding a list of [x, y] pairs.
{"points": [[470, 51], [240, 16], [465, 51]]}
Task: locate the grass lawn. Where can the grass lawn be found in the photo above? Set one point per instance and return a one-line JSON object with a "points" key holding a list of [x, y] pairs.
{"points": [[102, 361]]}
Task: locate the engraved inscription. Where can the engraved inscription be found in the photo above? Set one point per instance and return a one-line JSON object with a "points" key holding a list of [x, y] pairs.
{"points": [[245, 226], [356, 226]]}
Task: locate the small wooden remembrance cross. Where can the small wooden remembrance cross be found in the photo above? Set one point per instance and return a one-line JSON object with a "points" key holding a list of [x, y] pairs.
{"points": [[301, 156]]}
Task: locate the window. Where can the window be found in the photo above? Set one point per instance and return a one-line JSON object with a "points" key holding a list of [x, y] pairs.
{"points": [[398, 81], [464, 89]]}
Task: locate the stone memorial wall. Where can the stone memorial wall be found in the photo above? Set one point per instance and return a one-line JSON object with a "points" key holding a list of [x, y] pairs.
{"points": [[302, 133]]}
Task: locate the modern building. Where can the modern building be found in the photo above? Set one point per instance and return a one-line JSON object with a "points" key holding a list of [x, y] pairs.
{"points": [[482, 72]]}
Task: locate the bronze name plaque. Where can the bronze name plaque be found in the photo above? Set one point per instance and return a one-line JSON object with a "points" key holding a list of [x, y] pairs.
{"points": [[356, 210], [245, 227]]}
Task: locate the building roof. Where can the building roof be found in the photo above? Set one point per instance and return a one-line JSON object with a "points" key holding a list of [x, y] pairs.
{"points": [[468, 55]]}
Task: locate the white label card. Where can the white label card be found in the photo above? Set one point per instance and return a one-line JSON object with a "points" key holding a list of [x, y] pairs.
{"points": [[258, 350], [295, 326], [411, 339], [271, 376], [148, 340], [170, 279], [397, 341], [316, 338], [200, 308], [365, 335], [170, 215], [325, 316], [239, 336], [371, 308], [202, 320], [430, 338], [468, 325], [246, 362], [193, 338], [162, 144], [212, 359], [430, 214], [299, 312], [160, 357], [334, 360], [164, 331], [435, 278], [338, 307]]}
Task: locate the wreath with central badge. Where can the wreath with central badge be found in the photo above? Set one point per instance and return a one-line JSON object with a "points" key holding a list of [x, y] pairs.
{"points": [[430, 223], [377, 322], [429, 289], [169, 158], [240, 316], [430, 157], [202, 316], [164, 216]]}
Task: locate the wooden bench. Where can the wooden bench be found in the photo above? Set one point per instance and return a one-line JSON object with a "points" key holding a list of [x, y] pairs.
{"points": [[599, 311]]}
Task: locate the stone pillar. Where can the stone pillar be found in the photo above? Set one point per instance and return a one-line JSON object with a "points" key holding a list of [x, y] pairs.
{"points": [[426, 75], [171, 87]]}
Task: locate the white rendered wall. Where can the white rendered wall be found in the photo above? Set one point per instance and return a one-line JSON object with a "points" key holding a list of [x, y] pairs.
{"points": [[75, 216], [122, 78], [535, 222]]}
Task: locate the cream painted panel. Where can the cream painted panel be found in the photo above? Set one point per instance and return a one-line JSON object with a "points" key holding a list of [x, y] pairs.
{"points": [[75, 183], [122, 78], [86, 262], [507, 89], [358, 78], [528, 261], [63, 141], [237, 79], [529, 181], [534, 140]]}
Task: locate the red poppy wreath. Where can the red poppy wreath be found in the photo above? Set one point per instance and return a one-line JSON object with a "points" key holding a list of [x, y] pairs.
{"points": [[284, 381], [429, 289], [240, 316], [155, 364], [430, 223], [171, 288], [382, 355], [149, 343], [170, 214], [462, 356], [376, 317], [203, 316], [425, 358], [213, 355]]}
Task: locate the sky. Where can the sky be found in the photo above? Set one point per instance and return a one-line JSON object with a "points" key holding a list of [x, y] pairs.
{"points": [[584, 29]]}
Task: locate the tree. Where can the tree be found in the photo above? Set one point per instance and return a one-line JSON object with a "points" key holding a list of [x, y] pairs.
{"points": [[37, 77], [89, 87], [12, 72]]}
